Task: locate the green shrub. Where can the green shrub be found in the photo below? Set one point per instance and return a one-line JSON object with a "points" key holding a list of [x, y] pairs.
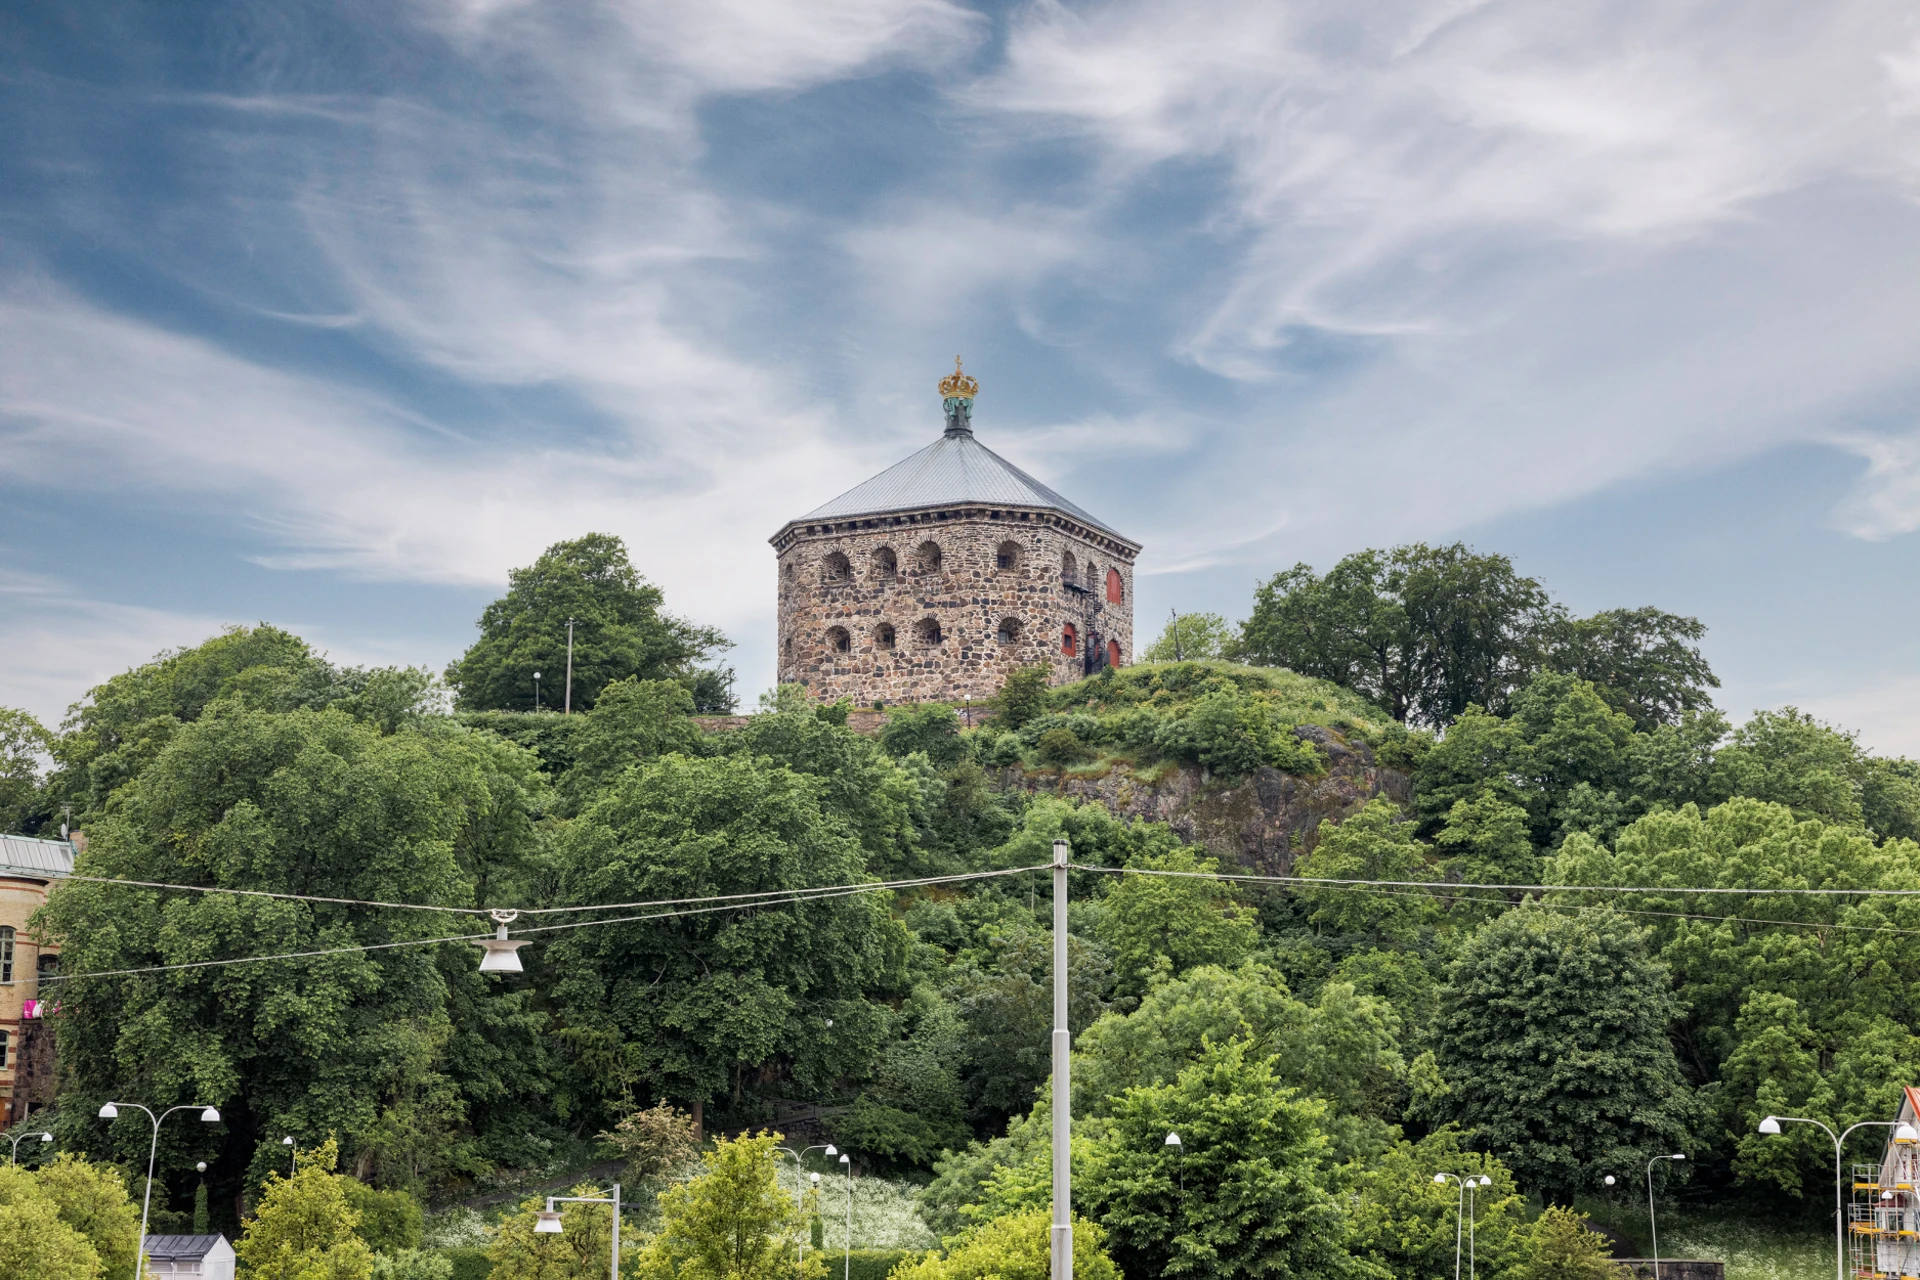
{"points": [[469, 1262], [1060, 746], [866, 1264], [390, 1221]]}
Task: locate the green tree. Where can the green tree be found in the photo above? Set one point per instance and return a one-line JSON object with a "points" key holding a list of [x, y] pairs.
{"points": [[1489, 843], [1016, 1246], [24, 745], [1373, 844], [732, 1222], [93, 1200], [1563, 1247], [930, 728], [1192, 637], [1789, 758], [1794, 1005], [1341, 1048], [654, 1142], [305, 1226], [632, 720], [1250, 1192], [689, 1005], [582, 1250], [1022, 696], [1156, 927], [620, 631], [1406, 1224], [390, 1221], [1552, 1043], [34, 1241], [1644, 662], [400, 1050], [1422, 631]]}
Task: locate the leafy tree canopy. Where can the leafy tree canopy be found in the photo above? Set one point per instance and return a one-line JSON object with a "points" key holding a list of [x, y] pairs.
{"points": [[580, 1251], [1250, 1192], [362, 1043], [1426, 632], [24, 746], [685, 1006], [1193, 637], [732, 1222], [1157, 927], [1552, 1044], [620, 631], [34, 1240], [305, 1226]]}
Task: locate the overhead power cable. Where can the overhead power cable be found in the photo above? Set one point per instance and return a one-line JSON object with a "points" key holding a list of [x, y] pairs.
{"points": [[763, 894], [1449, 886], [718, 903]]}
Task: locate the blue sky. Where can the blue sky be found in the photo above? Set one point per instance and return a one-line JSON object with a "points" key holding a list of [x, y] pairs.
{"points": [[328, 314]]}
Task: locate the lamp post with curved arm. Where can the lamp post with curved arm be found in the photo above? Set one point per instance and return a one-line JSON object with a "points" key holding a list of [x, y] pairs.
{"points": [[208, 1115], [1459, 1215], [847, 1272], [800, 1194], [1472, 1182], [19, 1138], [1902, 1132], [1652, 1222]]}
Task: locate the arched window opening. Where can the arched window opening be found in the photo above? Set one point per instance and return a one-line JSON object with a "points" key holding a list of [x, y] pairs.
{"points": [[885, 563], [789, 646], [1069, 641], [838, 640], [1113, 653], [1007, 556], [1069, 570], [883, 636], [927, 631], [835, 567], [1009, 630], [926, 557], [1114, 591]]}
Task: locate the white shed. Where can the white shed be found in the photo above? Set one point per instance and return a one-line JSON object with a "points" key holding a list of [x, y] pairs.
{"points": [[203, 1257]]}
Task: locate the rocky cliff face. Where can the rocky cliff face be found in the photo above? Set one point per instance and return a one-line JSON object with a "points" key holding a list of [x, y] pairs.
{"points": [[1262, 821]]}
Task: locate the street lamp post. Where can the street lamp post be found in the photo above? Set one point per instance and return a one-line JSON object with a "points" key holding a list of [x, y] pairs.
{"points": [[293, 1165], [208, 1115], [800, 1192], [1180, 1164], [1652, 1222], [1902, 1132], [547, 1223], [536, 691], [1472, 1183], [19, 1138], [1459, 1215], [847, 1272]]}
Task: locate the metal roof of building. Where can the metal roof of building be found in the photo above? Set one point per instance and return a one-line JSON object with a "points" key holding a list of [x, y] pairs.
{"points": [[182, 1248], [41, 859], [954, 468]]}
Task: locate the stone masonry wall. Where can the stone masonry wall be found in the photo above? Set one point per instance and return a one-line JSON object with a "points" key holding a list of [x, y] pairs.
{"points": [[833, 616]]}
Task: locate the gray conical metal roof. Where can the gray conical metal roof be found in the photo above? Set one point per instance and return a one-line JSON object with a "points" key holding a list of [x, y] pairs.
{"points": [[954, 468]]}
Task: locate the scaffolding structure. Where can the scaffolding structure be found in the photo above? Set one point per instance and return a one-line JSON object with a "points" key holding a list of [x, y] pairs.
{"points": [[1883, 1221]]}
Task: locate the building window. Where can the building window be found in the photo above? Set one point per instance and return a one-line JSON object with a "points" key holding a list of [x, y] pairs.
{"points": [[1113, 586], [927, 631], [926, 557], [835, 567], [1009, 630], [789, 646], [838, 640], [6, 953], [1113, 653], [1069, 570], [788, 570], [5, 1051], [1069, 641], [1007, 556], [885, 563], [883, 636]]}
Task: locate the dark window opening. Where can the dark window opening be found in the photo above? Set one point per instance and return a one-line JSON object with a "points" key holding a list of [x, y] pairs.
{"points": [[927, 631], [1009, 630], [838, 640], [883, 636], [1069, 641]]}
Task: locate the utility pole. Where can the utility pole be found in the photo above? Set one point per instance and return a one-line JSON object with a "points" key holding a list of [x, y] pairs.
{"points": [[569, 710], [1175, 614], [1062, 1085]]}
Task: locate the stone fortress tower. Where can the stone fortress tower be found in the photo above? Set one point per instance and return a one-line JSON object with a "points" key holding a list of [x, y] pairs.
{"points": [[937, 577]]}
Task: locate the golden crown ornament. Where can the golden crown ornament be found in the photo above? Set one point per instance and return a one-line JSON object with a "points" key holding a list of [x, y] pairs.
{"points": [[958, 385]]}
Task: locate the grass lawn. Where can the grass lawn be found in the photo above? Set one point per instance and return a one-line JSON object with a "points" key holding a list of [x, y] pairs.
{"points": [[1752, 1246]]}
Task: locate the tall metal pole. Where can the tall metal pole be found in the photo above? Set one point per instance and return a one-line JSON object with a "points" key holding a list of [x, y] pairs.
{"points": [[616, 1231], [569, 710], [1062, 1085]]}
